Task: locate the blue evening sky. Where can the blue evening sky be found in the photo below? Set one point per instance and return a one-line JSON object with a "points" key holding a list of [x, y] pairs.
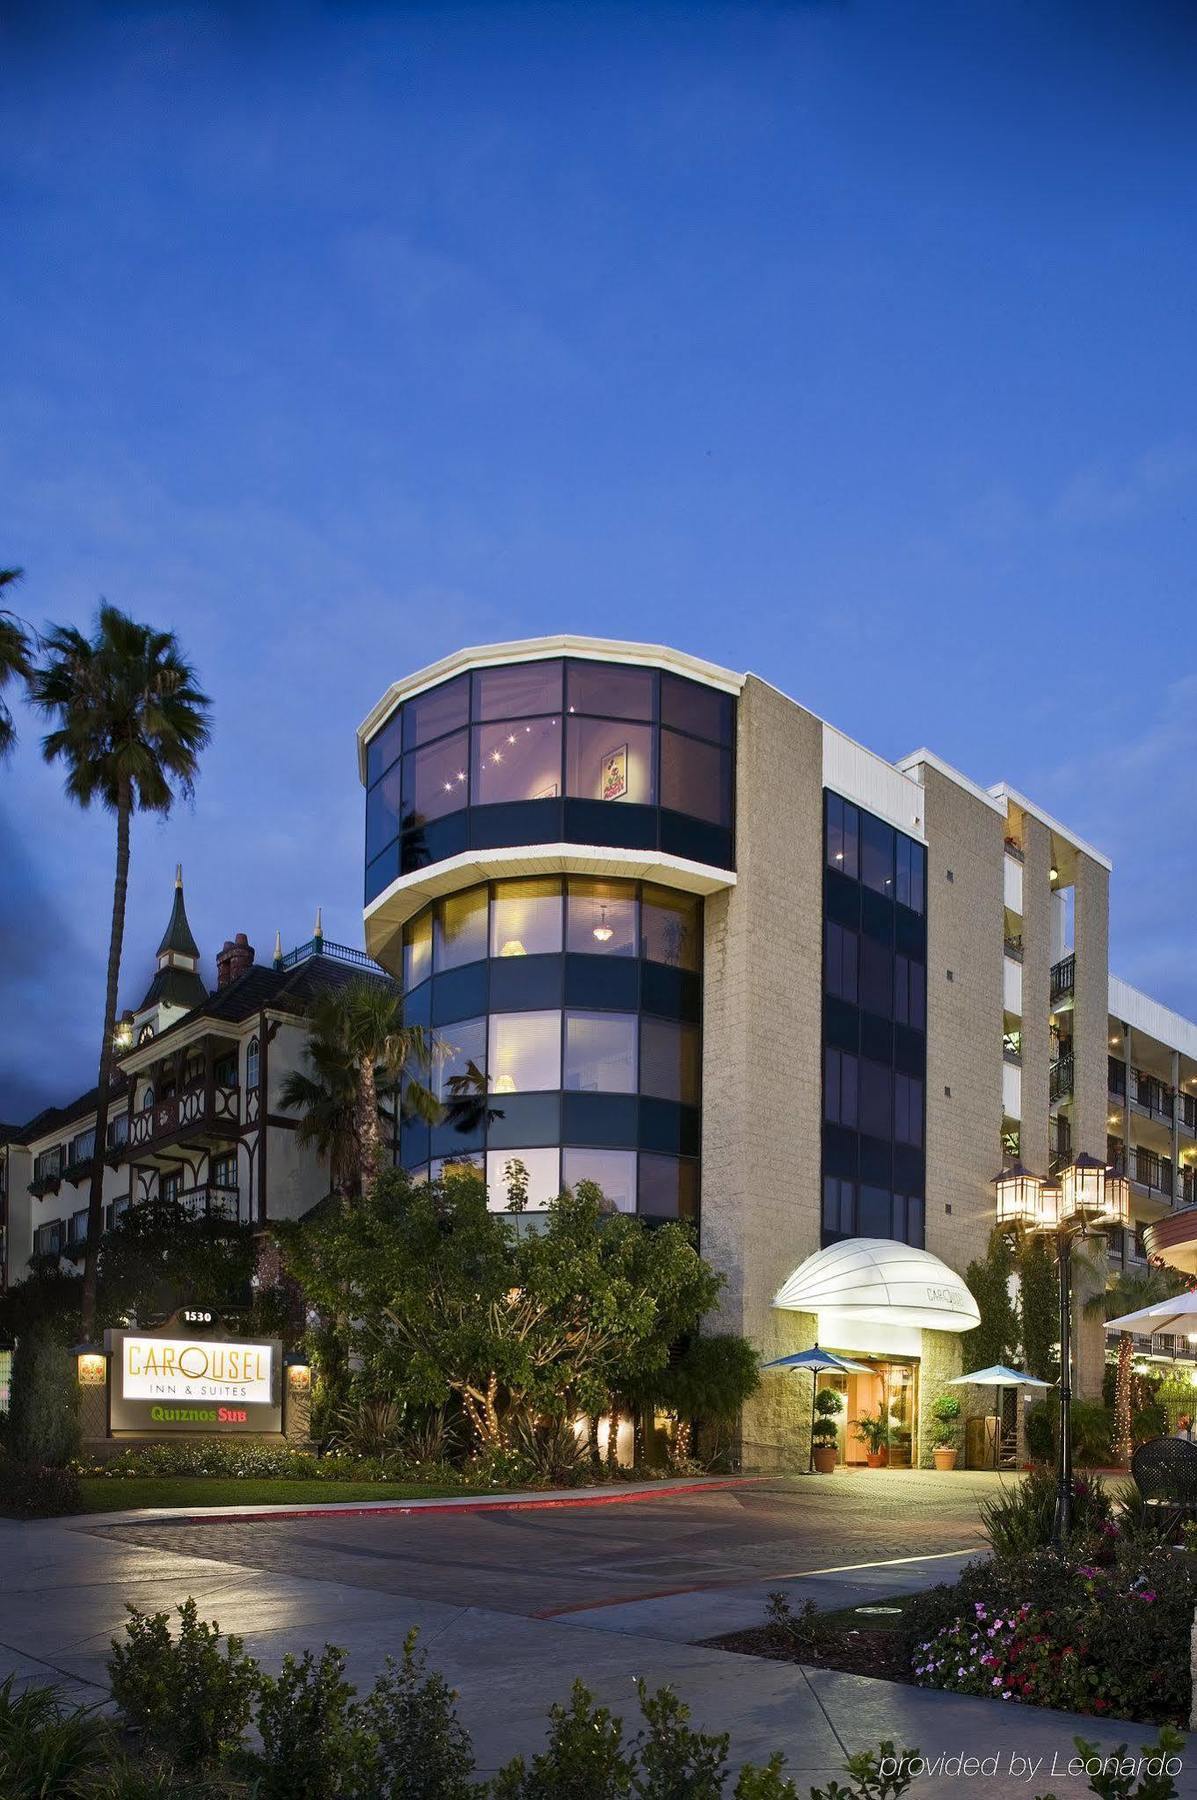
{"points": [[852, 344]]}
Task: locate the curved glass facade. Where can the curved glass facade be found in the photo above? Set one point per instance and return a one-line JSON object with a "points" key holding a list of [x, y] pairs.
{"points": [[569, 1016], [562, 750]]}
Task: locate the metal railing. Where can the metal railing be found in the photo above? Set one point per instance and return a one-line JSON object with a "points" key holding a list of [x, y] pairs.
{"points": [[211, 1201], [1063, 977], [1151, 1095], [1060, 1078], [339, 952], [1013, 947]]}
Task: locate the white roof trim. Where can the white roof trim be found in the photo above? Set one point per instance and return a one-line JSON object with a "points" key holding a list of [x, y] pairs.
{"points": [[482, 656], [1142, 1013], [883, 1282], [908, 763], [1003, 791]]}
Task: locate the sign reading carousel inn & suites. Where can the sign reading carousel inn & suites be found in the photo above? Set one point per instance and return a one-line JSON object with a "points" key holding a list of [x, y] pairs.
{"points": [[168, 1380]]}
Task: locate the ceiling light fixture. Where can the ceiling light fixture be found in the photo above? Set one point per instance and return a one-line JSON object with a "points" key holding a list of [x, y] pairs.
{"points": [[602, 930]]}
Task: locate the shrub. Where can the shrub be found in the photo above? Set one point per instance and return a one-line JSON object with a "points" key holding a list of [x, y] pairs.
{"points": [[946, 1430], [211, 1456], [312, 1745], [47, 1748], [827, 1405], [419, 1748], [367, 1426], [551, 1452], [30, 1492], [186, 1694], [43, 1426], [1019, 1519], [584, 1757], [1092, 1432]]}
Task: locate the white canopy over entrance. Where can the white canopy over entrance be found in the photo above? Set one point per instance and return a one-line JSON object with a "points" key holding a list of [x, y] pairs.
{"points": [[877, 1281]]}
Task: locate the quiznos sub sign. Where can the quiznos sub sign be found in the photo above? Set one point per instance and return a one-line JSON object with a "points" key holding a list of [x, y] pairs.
{"points": [[171, 1383]]}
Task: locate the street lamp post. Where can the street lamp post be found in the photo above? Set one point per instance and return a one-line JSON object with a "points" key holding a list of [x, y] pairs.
{"points": [[1089, 1196]]}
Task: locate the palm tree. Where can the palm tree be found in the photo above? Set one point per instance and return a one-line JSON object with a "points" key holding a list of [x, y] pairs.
{"points": [[130, 723], [15, 659], [358, 1045], [1130, 1290]]}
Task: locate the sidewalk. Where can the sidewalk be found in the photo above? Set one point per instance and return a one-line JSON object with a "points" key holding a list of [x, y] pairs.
{"points": [[63, 1593]]}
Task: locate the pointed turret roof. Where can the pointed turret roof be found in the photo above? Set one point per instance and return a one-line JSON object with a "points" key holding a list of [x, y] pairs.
{"points": [[177, 936]]}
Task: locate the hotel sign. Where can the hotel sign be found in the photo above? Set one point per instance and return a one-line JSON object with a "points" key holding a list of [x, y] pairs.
{"points": [[171, 1382]]}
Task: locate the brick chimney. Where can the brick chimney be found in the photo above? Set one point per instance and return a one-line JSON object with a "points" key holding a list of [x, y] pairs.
{"points": [[234, 959]]}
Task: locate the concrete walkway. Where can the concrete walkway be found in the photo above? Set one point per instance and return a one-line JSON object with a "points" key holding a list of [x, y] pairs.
{"points": [[63, 1590]]}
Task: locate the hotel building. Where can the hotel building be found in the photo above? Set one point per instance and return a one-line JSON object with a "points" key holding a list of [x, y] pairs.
{"points": [[711, 953]]}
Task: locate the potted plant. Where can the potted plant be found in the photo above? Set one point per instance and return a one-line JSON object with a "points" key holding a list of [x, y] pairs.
{"points": [[827, 1405], [946, 1431], [873, 1431]]}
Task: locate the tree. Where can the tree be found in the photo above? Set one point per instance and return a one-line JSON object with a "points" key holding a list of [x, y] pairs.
{"points": [[43, 1423], [357, 1045], [159, 1257], [15, 659], [1039, 1309], [1130, 1289], [996, 1338], [130, 724], [708, 1380]]}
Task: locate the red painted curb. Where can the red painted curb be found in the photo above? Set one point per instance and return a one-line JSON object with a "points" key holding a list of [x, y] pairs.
{"points": [[413, 1509]]}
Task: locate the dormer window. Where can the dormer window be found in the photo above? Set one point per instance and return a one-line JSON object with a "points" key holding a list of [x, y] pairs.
{"points": [[252, 1064]]}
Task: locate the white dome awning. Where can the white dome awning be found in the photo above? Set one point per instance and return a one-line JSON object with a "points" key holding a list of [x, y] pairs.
{"points": [[882, 1282]]}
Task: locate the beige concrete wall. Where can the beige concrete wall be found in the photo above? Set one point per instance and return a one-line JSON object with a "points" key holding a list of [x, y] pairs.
{"points": [[1036, 992], [964, 1017], [762, 1054], [942, 1358]]}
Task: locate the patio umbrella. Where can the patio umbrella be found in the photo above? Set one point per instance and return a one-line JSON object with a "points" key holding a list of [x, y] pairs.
{"points": [[1176, 1315], [819, 1362], [999, 1376]]}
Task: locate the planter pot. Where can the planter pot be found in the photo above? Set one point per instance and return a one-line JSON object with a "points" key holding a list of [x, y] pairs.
{"points": [[824, 1459], [945, 1458], [877, 1459]]}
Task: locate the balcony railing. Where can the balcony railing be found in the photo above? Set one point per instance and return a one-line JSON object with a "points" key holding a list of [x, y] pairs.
{"points": [[1013, 946], [1145, 1168], [197, 1111], [1186, 1111], [1151, 1095], [1063, 977], [339, 952], [212, 1201], [1060, 1078], [1012, 1046], [1059, 1143]]}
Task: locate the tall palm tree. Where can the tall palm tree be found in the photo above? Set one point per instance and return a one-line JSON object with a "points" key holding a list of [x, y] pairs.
{"points": [[1130, 1290], [358, 1046], [130, 723], [15, 659]]}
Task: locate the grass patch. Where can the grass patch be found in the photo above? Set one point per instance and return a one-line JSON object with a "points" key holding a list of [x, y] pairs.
{"points": [[118, 1493]]}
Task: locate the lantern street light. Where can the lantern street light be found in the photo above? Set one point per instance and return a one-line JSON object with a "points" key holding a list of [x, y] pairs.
{"points": [[1089, 1196]]}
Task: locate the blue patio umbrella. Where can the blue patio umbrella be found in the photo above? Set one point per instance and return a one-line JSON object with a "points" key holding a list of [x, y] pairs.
{"points": [[819, 1362]]}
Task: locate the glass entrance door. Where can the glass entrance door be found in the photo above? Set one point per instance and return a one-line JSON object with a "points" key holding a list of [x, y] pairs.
{"points": [[886, 1395]]}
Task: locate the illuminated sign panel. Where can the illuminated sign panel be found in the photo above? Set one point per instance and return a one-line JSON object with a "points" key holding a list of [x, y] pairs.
{"points": [[169, 1384]]}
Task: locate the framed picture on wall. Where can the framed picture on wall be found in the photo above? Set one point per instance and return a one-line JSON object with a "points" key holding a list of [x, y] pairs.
{"points": [[614, 776]]}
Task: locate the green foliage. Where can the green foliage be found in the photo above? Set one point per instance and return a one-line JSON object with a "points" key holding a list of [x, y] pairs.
{"points": [[43, 1414], [946, 1414], [158, 1257], [28, 1491], [418, 1748], [188, 1694], [1092, 1432], [881, 1774], [367, 1426], [710, 1378], [800, 1630], [873, 1431], [1038, 1308], [1115, 1775], [584, 1758], [214, 1456], [49, 1749], [828, 1405], [996, 1338], [550, 1451], [1149, 1422], [1019, 1518], [675, 1761], [312, 1745]]}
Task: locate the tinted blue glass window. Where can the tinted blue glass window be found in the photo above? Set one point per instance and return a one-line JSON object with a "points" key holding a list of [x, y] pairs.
{"points": [[383, 749], [877, 855], [433, 714], [517, 690], [702, 711], [619, 691]]}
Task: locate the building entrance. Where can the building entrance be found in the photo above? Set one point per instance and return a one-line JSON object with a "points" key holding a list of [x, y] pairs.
{"points": [[885, 1397]]}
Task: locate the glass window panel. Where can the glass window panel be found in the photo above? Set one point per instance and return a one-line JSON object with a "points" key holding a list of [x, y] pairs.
{"points": [[875, 1213], [612, 1170], [911, 877], [601, 917], [843, 836], [690, 706], [516, 759], [670, 1060], [840, 962], [525, 917], [918, 996], [695, 778], [515, 692], [383, 748], [524, 1052], [434, 780], [460, 1044], [600, 1052], [876, 977], [619, 692], [461, 928], [668, 1186], [908, 1109], [839, 1087], [417, 950], [877, 854], [609, 759], [384, 810], [543, 1169], [470, 1163], [671, 928], [440, 710], [915, 1223], [876, 1098]]}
